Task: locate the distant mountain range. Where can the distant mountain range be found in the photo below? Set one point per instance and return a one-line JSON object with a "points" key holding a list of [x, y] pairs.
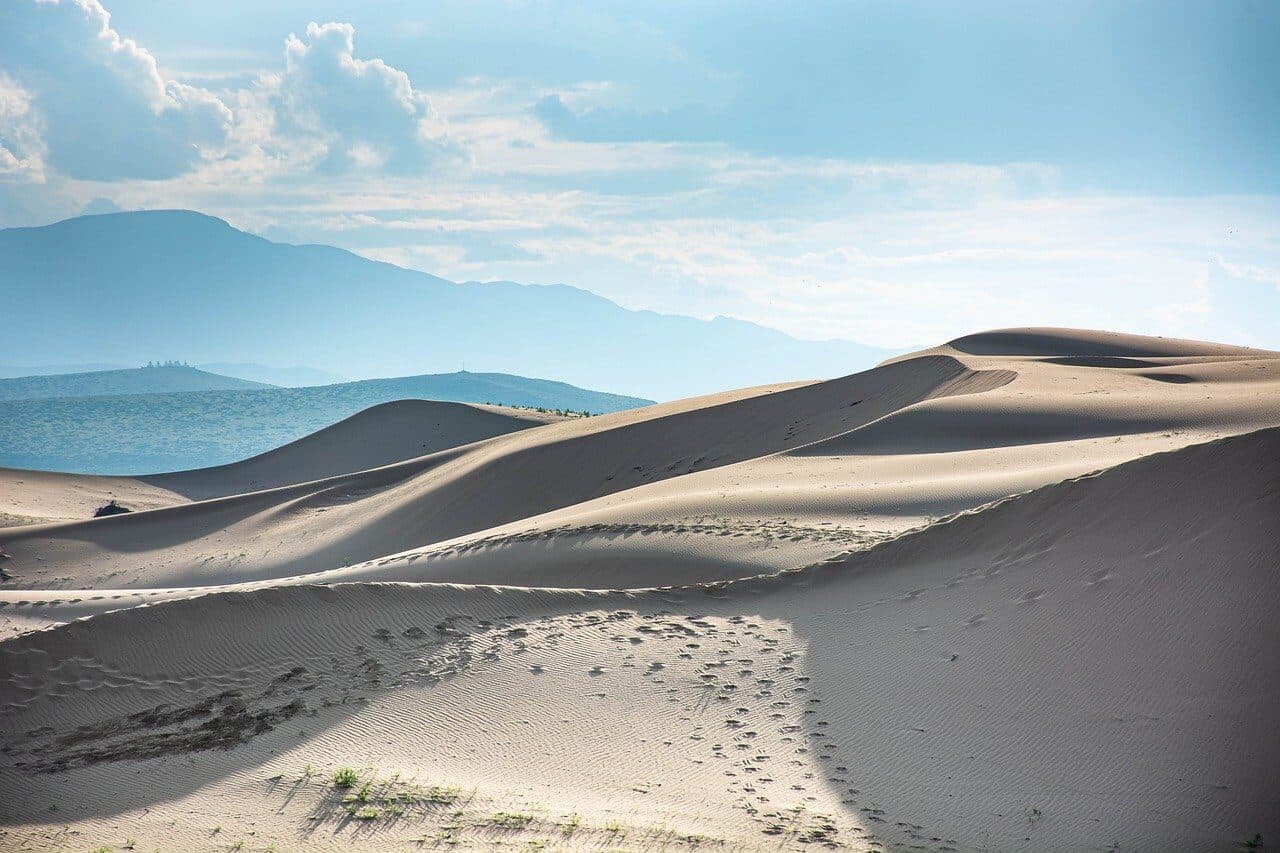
{"points": [[10, 371], [150, 433], [288, 377], [140, 380], [128, 287]]}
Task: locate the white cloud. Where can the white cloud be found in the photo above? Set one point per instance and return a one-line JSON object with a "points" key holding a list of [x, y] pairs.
{"points": [[21, 150], [97, 100], [353, 114], [80, 100]]}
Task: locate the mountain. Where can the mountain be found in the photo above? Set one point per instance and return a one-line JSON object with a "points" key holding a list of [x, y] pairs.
{"points": [[148, 433], [138, 380], [287, 377], [12, 371], [126, 286]]}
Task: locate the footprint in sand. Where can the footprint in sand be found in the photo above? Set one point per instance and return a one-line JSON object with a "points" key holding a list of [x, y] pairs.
{"points": [[1098, 578]]}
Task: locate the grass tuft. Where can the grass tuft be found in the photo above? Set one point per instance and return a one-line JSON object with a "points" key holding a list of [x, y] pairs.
{"points": [[345, 777]]}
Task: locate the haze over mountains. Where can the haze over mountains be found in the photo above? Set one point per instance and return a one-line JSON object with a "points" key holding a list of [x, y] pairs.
{"points": [[140, 380], [297, 376], [17, 371], [125, 287]]}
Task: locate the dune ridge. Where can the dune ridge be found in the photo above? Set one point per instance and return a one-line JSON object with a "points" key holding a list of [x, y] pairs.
{"points": [[1008, 594], [377, 436]]}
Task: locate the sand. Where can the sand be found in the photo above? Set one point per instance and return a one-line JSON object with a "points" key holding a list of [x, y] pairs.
{"points": [[377, 436], [1018, 592]]}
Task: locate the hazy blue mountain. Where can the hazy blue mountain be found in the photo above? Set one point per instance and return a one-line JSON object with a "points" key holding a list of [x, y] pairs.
{"points": [[150, 433], [138, 380], [129, 286], [285, 377], [10, 371]]}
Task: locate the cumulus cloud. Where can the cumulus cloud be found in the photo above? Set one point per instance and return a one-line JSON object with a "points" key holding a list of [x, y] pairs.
{"points": [[357, 114], [21, 151], [79, 100], [97, 100]]}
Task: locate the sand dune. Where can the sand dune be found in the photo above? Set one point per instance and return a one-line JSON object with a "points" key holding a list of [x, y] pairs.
{"points": [[1014, 593], [1087, 343], [380, 435], [331, 523]]}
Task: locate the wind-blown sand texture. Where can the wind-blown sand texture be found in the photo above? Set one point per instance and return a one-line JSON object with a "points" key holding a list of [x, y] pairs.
{"points": [[1019, 592]]}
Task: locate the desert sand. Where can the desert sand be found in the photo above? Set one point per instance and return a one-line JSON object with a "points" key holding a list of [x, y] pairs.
{"points": [[1017, 592], [380, 435]]}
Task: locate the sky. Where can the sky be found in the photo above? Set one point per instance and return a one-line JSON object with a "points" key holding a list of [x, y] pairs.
{"points": [[891, 173]]}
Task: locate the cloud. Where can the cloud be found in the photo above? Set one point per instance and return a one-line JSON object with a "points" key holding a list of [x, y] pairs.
{"points": [[79, 100], [1244, 300], [356, 114], [21, 151], [603, 124], [100, 205], [97, 100]]}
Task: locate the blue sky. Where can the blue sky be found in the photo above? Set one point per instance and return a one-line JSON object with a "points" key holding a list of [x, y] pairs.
{"points": [[894, 173]]}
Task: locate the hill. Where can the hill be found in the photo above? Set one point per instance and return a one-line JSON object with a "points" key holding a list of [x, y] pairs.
{"points": [[137, 284], [148, 433], [14, 371], [138, 380]]}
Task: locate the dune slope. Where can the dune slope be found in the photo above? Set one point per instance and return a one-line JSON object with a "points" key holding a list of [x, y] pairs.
{"points": [[377, 436], [963, 601], [964, 686], [332, 523]]}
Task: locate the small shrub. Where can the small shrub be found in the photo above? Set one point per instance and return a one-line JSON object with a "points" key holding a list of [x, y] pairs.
{"points": [[443, 796], [511, 819], [345, 778]]}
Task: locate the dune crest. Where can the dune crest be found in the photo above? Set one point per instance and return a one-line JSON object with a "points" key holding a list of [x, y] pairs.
{"points": [[377, 436], [1018, 592]]}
